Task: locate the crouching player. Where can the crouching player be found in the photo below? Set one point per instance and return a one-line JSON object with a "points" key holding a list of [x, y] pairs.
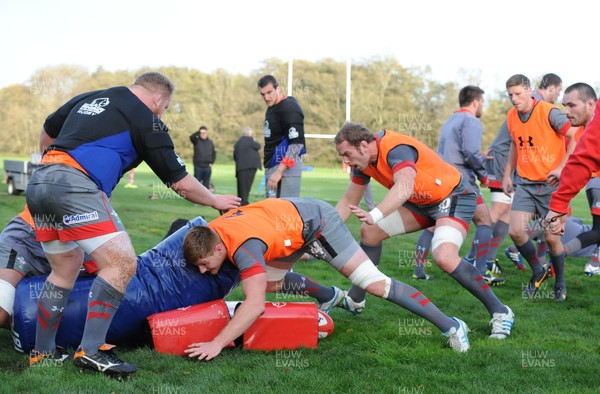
{"points": [[163, 281], [266, 238], [424, 191]]}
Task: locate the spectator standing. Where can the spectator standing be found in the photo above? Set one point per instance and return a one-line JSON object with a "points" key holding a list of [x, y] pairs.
{"points": [[205, 155], [247, 161]]}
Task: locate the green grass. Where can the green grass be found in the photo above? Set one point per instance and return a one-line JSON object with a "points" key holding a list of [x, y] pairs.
{"points": [[386, 349]]}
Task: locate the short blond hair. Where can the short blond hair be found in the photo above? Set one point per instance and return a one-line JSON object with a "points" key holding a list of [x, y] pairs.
{"points": [[199, 242], [155, 81]]}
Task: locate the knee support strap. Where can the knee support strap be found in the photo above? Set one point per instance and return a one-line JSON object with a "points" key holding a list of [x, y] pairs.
{"points": [[366, 274], [392, 224], [501, 197], [7, 296], [446, 234]]}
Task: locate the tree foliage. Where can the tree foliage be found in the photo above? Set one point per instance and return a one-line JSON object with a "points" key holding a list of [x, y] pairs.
{"points": [[384, 95]]}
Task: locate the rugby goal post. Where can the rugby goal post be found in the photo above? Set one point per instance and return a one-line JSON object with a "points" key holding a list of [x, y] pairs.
{"points": [[348, 94]]}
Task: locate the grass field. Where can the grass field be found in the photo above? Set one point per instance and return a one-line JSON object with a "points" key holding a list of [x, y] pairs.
{"points": [[553, 348]]}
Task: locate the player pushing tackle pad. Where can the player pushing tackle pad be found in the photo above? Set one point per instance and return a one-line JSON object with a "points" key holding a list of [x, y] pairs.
{"points": [[163, 281], [266, 238]]}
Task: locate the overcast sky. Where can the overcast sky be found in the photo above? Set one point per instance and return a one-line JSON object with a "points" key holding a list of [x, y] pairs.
{"points": [[495, 38]]}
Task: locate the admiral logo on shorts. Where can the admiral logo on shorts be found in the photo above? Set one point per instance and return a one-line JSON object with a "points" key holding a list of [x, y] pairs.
{"points": [[293, 133], [95, 107], [80, 217]]}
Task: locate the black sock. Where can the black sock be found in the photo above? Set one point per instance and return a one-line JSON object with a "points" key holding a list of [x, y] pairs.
{"points": [[528, 252], [558, 262]]}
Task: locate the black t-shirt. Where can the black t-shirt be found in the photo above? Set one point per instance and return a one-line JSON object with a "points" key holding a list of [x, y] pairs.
{"points": [[108, 132], [284, 125]]}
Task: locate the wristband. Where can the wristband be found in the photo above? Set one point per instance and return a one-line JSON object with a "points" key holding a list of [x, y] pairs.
{"points": [[288, 162], [376, 215]]}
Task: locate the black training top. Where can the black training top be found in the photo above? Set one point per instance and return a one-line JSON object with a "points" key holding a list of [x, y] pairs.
{"points": [[108, 132]]}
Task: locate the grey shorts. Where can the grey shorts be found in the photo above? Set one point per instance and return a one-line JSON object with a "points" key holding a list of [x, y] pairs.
{"points": [[66, 205], [20, 251], [288, 186], [335, 244], [472, 186], [495, 168], [460, 205], [533, 198]]}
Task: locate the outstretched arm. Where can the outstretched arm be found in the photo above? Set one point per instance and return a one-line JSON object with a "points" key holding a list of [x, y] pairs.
{"points": [[404, 181], [351, 198], [252, 308], [192, 190]]}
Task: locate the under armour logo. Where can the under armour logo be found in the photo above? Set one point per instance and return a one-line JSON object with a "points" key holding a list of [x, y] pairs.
{"points": [[530, 138], [57, 309]]}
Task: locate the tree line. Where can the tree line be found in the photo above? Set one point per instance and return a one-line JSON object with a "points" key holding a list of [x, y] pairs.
{"points": [[384, 95]]}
